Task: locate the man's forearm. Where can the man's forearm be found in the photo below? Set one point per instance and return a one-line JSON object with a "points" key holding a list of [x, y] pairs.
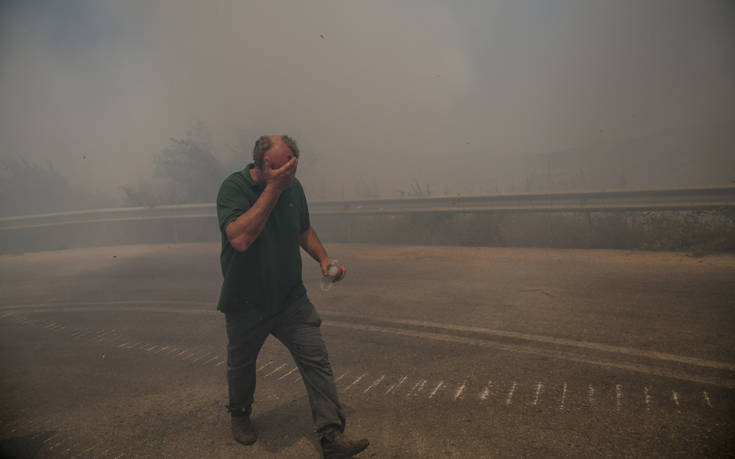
{"points": [[313, 246], [248, 226]]}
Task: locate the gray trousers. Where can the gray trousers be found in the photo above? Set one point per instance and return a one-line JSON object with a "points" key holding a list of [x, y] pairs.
{"points": [[297, 327]]}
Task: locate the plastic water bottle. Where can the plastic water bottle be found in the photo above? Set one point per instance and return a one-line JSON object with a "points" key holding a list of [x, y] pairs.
{"points": [[327, 281]]}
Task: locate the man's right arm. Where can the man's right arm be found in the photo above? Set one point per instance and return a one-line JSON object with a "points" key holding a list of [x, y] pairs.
{"points": [[247, 227], [244, 230]]}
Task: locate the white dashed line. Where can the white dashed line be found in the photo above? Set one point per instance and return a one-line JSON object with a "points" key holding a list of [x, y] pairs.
{"points": [[436, 389], [563, 397], [276, 370], [647, 398], [289, 373], [707, 399], [341, 376], [509, 398], [460, 390], [395, 386], [264, 366], [486, 390], [537, 396], [591, 394], [355, 382], [50, 438], [420, 388], [375, 383], [618, 397], [413, 388], [207, 354]]}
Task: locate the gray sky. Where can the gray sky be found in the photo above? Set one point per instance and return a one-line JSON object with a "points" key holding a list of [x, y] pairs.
{"points": [[382, 92]]}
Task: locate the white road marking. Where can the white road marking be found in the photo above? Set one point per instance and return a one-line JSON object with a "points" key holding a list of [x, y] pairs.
{"points": [[683, 375], [486, 390], [289, 373], [162, 349], [675, 398], [706, 399], [647, 397], [89, 449], [276, 370], [420, 388], [460, 390], [543, 339], [395, 386], [436, 389], [591, 394], [539, 388], [563, 396], [618, 397], [220, 363], [50, 438], [413, 388], [299, 378], [216, 357], [264, 366], [200, 358], [641, 368], [509, 398], [341, 376], [123, 345], [375, 383], [355, 382]]}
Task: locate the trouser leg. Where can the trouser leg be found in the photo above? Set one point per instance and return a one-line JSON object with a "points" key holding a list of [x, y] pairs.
{"points": [[298, 329], [246, 333]]}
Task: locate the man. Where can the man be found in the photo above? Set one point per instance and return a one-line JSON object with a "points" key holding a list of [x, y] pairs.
{"points": [[264, 220]]}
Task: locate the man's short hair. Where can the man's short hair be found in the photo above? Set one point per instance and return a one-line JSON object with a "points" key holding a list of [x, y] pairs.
{"points": [[264, 143]]}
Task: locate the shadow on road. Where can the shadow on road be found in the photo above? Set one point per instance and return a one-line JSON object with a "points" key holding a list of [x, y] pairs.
{"points": [[24, 447], [285, 425]]}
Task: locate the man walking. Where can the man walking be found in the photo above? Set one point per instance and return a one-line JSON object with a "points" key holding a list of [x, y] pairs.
{"points": [[264, 219]]}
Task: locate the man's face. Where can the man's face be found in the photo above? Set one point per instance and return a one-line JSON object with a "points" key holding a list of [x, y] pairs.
{"points": [[279, 154]]}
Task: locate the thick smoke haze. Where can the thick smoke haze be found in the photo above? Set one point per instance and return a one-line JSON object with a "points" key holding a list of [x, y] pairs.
{"points": [[457, 97]]}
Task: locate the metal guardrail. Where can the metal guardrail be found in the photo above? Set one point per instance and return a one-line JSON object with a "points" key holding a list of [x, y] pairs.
{"points": [[700, 198]]}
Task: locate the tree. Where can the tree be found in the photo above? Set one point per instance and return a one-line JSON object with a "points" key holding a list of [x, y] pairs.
{"points": [[190, 167]]}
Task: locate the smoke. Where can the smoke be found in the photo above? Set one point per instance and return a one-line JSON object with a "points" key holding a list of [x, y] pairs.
{"points": [[460, 97]]}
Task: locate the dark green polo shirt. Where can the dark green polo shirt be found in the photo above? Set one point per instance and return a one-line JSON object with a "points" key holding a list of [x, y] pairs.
{"points": [[267, 275]]}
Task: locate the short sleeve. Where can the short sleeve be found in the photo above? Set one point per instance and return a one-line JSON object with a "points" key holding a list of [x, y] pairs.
{"points": [[231, 203]]}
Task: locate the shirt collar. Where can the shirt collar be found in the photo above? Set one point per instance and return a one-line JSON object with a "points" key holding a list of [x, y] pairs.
{"points": [[248, 178]]}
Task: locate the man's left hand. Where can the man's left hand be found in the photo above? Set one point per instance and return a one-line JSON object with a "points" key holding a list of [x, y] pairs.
{"points": [[325, 265]]}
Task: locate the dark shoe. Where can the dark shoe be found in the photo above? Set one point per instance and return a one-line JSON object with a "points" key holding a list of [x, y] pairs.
{"points": [[243, 430], [336, 445]]}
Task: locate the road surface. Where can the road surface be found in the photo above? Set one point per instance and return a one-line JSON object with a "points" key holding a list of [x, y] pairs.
{"points": [[437, 352]]}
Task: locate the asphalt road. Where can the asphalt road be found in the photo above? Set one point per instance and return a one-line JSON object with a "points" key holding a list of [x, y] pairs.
{"points": [[438, 352]]}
